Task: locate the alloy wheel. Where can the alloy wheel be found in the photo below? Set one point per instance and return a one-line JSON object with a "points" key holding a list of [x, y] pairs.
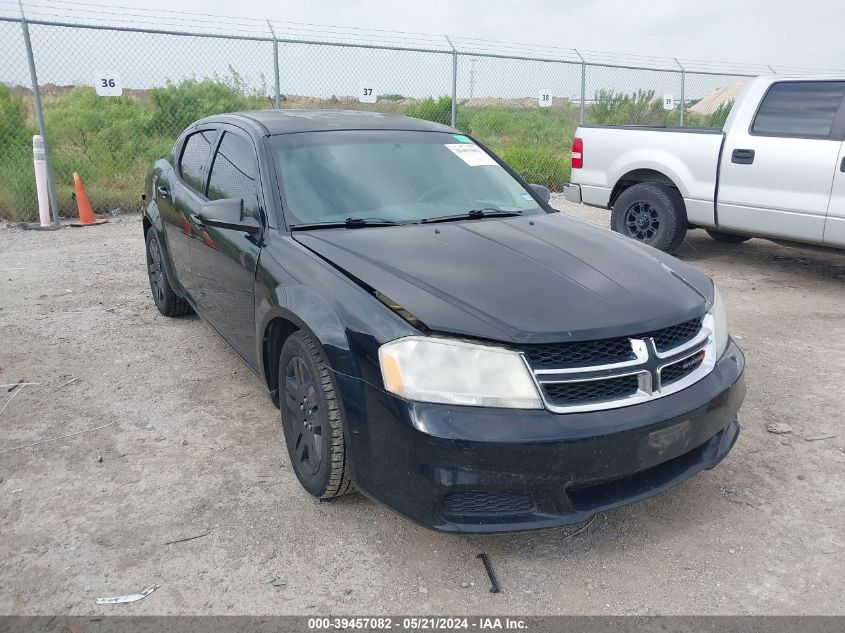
{"points": [[154, 269], [642, 221], [305, 418]]}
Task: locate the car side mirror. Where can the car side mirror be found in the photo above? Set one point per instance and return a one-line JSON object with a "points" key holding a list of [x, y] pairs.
{"points": [[542, 192], [228, 213]]}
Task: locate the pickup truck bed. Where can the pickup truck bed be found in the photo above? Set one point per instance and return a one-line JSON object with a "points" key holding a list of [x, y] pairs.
{"points": [[776, 169]]}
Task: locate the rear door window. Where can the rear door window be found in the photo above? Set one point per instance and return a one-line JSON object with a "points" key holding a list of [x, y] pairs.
{"points": [[194, 155], [804, 109], [234, 172]]}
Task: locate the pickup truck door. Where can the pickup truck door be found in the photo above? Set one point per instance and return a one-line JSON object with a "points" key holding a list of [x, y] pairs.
{"points": [[224, 260], [179, 196], [834, 227], [775, 177]]}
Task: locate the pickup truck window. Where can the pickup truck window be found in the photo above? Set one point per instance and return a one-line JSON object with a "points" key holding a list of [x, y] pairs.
{"points": [[234, 172], [393, 175], [193, 159], [804, 109]]}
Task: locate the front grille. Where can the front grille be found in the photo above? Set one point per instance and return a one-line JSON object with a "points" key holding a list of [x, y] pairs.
{"points": [[676, 371], [481, 502], [620, 371], [572, 393], [580, 354], [671, 337], [607, 351]]}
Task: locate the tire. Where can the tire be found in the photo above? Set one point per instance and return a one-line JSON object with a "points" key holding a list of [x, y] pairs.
{"points": [[651, 213], [312, 419], [728, 238], [167, 301]]}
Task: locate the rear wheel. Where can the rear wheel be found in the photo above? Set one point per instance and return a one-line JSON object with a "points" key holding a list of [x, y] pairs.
{"points": [[728, 238], [167, 301], [312, 419], [651, 213]]}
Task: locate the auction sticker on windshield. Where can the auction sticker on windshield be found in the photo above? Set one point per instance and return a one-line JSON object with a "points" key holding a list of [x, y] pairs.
{"points": [[472, 155]]}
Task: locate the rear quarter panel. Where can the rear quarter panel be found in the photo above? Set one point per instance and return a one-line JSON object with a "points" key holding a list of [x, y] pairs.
{"points": [[689, 159]]}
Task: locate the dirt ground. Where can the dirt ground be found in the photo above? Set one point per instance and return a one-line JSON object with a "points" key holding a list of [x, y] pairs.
{"points": [[143, 430]]}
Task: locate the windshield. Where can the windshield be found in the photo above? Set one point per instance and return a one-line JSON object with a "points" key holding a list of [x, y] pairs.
{"points": [[393, 176]]}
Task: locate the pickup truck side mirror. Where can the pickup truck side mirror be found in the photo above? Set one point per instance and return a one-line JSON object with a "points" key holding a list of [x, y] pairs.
{"points": [[542, 192], [228, 213]]}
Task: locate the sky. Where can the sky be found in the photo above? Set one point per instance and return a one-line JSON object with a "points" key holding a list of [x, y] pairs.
{"points": [[729, 33], [777, 32]]}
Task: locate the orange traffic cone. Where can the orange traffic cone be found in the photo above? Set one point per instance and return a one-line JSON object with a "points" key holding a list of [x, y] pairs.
{"points": [[86, 215]]}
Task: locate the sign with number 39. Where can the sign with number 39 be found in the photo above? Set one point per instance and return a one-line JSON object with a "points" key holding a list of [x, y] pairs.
{"points": [[108, 85]]}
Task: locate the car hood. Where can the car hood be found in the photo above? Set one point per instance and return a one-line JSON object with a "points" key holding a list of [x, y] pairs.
{"points": [[529, 279]]}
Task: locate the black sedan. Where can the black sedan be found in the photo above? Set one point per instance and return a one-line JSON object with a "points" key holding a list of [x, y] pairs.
{"points": [[433, 333]]}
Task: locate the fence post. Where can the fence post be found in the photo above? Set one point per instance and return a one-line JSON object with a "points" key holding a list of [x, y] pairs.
{"points": [[39, 116], [454, 80], [683, 87], [276, 65], [583, 86]]}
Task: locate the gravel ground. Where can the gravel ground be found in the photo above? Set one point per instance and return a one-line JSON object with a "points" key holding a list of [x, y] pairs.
{"points": [[144, 430]]}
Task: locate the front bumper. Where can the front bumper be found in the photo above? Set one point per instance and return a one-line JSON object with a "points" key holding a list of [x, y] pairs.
{"points": [[472, 469], [572, 193]]}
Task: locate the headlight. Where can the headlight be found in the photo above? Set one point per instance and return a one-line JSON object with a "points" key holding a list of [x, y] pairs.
{"points": [[720, 323], [455, 372]]}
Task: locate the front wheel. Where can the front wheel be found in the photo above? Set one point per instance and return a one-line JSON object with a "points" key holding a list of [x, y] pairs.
{"points": [[651, 213], [728, 238], [312, 418], [167, 301]]}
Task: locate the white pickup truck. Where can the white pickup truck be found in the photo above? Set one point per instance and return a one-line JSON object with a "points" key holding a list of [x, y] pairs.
{"points": [[776, 169]]}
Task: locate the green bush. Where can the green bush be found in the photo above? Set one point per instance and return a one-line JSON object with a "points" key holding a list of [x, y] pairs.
{"points": [[439, 111], [617, 108], [17, 178], [539, 165], [176, 106], [720, 115]]}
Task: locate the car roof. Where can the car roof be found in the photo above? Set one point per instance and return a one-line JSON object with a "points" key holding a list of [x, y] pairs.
{"points": [[292, 121]]}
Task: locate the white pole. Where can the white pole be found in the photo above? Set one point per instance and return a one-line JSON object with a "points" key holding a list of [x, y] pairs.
{"points": [[40, 159]]}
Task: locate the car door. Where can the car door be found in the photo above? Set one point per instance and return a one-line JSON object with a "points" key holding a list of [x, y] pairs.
{"points": [[224, 260], [834, 227], [180, 196], [775, 177]]}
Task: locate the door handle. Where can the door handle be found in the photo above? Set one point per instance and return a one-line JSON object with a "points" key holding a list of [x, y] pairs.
{"points": [[198, 220], [742, 156], [842, 164], [163, 190]]}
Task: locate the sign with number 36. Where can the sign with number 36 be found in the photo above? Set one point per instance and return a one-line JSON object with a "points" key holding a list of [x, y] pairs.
{"points": [[108, 85]]}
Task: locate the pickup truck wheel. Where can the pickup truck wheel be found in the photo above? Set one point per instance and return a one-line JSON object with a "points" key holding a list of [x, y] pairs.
{"points": [[167, 301], [651, 213], [312, 419], [728, 238]]}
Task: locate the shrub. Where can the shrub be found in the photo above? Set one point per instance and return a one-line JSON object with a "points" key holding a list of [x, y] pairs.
{"points": [[439, 111], [17, 178], [176, 106], [539, 165], [617, 108], [720, 115]]}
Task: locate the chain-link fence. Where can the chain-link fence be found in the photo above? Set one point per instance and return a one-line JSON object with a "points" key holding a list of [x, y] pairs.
{"points": [[523, 101]]}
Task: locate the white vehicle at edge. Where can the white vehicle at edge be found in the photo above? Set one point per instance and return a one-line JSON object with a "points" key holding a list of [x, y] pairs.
{"points": [[776, 169]]}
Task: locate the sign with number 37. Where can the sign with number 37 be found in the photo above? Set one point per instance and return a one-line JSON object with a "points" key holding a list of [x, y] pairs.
{"points": [[367, 93]]}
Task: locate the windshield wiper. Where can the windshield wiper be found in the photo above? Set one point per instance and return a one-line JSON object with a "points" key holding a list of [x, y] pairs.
{"points": [[474, 214], [348, 223]]}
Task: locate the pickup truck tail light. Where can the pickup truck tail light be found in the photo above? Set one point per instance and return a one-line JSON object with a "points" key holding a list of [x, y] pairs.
{"points": [[577, 153]]}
